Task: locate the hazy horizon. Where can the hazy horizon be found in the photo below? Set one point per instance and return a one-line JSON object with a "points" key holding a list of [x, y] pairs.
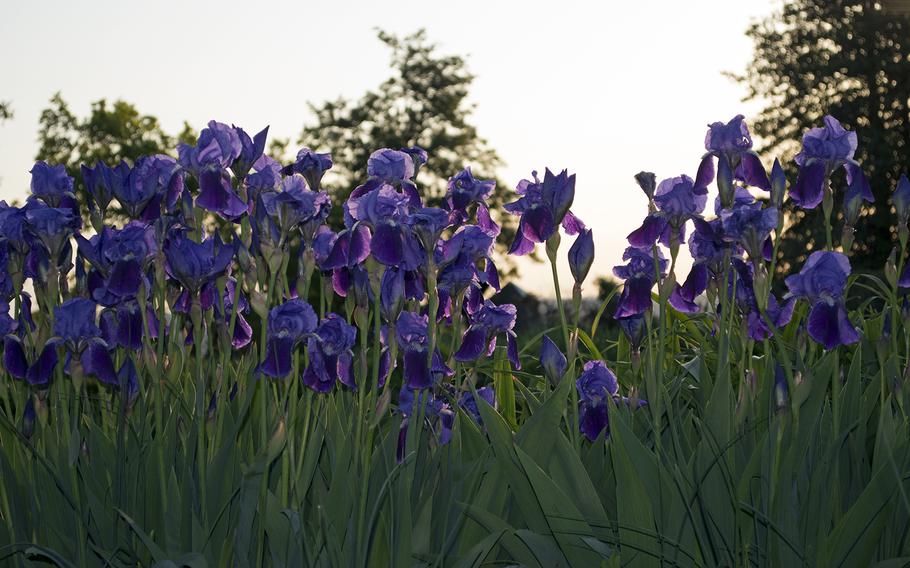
{"points": [[603, 93]]}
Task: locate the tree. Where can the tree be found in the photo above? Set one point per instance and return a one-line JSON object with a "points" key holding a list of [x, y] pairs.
{"points": [[423, 103], [849, 59], [6, 111]]}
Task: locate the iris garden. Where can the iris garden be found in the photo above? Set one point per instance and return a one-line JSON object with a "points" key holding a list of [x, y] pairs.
{"points": [[199, 369]]}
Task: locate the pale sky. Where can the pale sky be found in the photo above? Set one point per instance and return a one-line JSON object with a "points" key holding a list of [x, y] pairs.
{"points": [[605, 89]]}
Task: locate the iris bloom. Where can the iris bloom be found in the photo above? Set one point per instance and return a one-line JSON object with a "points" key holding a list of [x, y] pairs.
{"points": [[462, 190], [385, 210], [51, 184], [731, 144], [824, 150], [677, 199], [640, 274], [195, 264], [487, 323], [120, 258], [74, 325], [822, 282], [412, 335], [330, 354], [288, 324], [468, 402], [311, 165], [595, 385], [543, 206]]}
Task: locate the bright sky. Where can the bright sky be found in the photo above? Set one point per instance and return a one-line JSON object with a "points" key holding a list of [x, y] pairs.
{"points": [[605, 89]]}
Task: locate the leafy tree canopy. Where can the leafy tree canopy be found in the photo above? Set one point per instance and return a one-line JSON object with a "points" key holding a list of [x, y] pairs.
{"points": [[850, 59]]}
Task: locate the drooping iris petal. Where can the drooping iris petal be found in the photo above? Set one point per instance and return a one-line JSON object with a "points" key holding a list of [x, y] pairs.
{"points": [[387, 244], [217, 195], [14, 360], [592, 418], [683, 297], [830, 326], [96, 360], [809, 189], [635, 298], [416, 372], [278, 357], [753, 172], [473, 344], [39, 373]]}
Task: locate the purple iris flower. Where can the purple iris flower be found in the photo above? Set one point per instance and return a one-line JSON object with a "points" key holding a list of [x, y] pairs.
{"points": [[468, 402], [330, 354], [295, 206], [121, 257], [266, 176], [436, 413], [412, 335], [14, 226], [385, 210], [74, 320], [749, 226], [394, 168], [251, 150], [51, 184], [390, 166], [901, 199], [543, 206], [427, 224], [195, 264], [52, 226], [462, 190], [74, 324], [460, 257], [7, 323], [288, 324], [776, 313], [640, 273], [418, 155], [95, 184], [824, 150], [552, 360], [677, 199], [683, 297], [581, 255], [243, 332], [731, 144], [392, 293], [217, 148], [486, 324], [122, 326], [595, 385], [141, 189], [16, 363], [311, 165], [708, 245], [822, 282]]}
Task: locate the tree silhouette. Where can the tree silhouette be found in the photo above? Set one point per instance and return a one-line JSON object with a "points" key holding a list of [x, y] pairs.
{"points": [[850, 59]]}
